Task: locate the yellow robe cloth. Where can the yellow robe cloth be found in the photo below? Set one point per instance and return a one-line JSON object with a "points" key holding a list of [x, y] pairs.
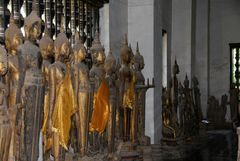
{"points": [[100, 108], [129, 95], [47, 141], [63, 110]]}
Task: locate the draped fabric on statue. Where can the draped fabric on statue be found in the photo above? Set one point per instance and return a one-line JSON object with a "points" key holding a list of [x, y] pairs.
{"points": [[129, 95], [63, 110], [100, 108], [47, 141]]}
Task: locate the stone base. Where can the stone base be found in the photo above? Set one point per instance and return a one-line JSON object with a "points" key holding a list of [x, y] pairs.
{"points": [[220, 126], [177, 149], [145, 140]]}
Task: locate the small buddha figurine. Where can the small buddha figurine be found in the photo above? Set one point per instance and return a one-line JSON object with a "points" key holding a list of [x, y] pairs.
{"points": [[234, 108], [46, 49], [197, 99], [175, 86], [61, 97], [13, 39], [127, 93], [5, 126], [168, 129], [81, 92], [140, 80], [100, 91], [110, 67], [189, 117], [32, 88]]}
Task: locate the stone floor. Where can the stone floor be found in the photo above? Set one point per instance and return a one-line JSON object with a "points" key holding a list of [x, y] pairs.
{"points": [[220, 146]]}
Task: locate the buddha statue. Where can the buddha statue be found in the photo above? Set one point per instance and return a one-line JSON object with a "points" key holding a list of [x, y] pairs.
{"points": [[61, 97], [5, 126], [32, 88], [110, 67], [175, 86], [197, 101], [81, 86], [168, 129], [189, 117], [46, 49], [13, 39], [127, 93], [99, 92]]}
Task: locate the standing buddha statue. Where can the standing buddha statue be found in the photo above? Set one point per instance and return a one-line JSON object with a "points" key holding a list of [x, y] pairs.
{"points": [[110, 67], [61, 97], [175, 87], [81, 86], [127, 93], [32, 84], [5, 127], [99, 89], [46, 49], [13, 39]]}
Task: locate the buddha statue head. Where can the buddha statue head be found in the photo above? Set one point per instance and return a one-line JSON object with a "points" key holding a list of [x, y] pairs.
{"points": [[97, 51], [138, 60], [125, 52], [131, 54], [79, 50], [13, 37], [62, 47], [3, 61], [32, 24], [186, 82], [176, 68], [195, 81], [110, 65], [46, 45]]}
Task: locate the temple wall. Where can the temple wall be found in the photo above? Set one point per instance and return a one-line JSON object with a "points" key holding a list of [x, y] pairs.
{"points": [[224, 29]]}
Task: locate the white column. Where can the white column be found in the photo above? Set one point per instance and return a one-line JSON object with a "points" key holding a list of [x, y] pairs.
{"points": [[104, 27], [201, 68], [182, 36]]}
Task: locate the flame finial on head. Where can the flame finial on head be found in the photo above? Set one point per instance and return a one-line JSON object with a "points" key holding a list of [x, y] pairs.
{"points": [[137, 50], [78, 43], [96, 45]]}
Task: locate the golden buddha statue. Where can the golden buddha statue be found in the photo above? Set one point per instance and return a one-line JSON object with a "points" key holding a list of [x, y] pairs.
{"points": [[127, 93], [5, 126], [32, 88], [100, 92], [46, 49], [81, 92], [111, 77], [13, 39], [61, 98]]}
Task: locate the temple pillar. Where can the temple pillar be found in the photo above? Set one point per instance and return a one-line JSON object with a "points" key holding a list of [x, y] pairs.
{"points": [[201, 58], [183, 36]]}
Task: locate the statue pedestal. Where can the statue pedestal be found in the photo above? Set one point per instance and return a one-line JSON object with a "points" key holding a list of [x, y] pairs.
{"points": [[178, 148]]}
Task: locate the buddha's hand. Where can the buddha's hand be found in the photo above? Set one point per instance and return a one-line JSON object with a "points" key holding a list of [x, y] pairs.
{"points": [[49, 128]]}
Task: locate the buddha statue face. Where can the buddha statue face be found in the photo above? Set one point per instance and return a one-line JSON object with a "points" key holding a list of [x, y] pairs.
{"points": [[3, 68], [139, 63], [79, 55], [125, 56], [65, 50], [33, 32], [3, 61], [83, 75], [13, 37], [186, 83], [176, 68], [99, 57], [47, 51], [110, 64]]}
